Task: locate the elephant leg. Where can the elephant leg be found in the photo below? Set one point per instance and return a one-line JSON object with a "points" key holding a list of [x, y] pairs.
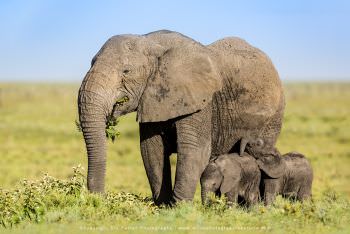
{"points": [[155, 156], [270, 191], [232, 197], [193, 152], [304, 193]]}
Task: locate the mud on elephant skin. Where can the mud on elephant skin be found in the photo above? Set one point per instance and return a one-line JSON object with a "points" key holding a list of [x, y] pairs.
{"points": [[194, 100], [234, 176], [295, 183]]}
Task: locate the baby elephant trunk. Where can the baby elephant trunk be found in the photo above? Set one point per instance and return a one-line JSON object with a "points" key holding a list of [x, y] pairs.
{"points": [[204, 193]]}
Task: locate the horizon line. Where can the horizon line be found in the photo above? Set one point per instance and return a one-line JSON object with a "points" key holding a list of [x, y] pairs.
{"points": [[75, 80]]}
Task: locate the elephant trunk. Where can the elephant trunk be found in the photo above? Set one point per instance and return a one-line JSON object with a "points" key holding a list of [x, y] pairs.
{"points": [[95, 140], [204, 195], [93, 111]]}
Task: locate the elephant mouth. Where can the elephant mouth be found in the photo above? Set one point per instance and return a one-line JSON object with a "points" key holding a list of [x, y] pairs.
{"points": [[119, 103], [113, 115], [112, 118]]}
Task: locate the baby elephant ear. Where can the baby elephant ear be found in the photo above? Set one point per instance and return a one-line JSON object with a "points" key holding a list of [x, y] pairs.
{"points": [[272, 164], [231, 173], [226, 185], [184, 82]]}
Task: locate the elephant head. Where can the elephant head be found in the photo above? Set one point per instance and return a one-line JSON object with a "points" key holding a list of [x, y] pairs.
{"points": [[272, 164], [163, 75], [211, 180], [220, 176]]}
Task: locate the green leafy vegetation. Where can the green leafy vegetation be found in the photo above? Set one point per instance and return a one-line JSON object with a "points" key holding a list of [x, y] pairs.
{"points": [[112, 122], [38, 136], [122, 100], [31, 200], [50, 200], [111, 128]]}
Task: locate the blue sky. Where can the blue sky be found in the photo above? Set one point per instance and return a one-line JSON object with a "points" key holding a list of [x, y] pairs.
{"points": [[55, 40]]}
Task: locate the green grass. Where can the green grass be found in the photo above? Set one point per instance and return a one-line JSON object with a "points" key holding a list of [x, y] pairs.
{"points": [[38, 135]]}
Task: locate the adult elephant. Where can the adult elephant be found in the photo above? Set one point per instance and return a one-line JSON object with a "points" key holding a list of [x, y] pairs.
{"points": [[194, 100]]}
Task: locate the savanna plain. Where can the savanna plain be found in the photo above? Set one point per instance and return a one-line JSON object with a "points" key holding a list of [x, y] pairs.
{"points": [[42, 175]]}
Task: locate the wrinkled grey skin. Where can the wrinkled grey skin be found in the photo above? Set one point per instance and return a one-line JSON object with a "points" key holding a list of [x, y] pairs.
{"points": [[232, 175], [257, 143], [194, 100], [296, 182]]}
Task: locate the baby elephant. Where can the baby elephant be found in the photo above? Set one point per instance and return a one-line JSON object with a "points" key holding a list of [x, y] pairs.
{"points": [[295, 183], [234, 176]]}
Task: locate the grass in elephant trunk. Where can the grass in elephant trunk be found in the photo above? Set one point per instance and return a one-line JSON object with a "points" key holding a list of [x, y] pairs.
{"points": [[111, 123], [111, 128]]}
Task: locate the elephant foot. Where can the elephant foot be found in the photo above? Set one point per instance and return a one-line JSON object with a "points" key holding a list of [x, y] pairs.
{"points": [[164, 201], [164, 195]]}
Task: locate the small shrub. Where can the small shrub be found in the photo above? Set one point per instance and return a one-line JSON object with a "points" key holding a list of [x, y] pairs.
{"points": [[32, 199]]}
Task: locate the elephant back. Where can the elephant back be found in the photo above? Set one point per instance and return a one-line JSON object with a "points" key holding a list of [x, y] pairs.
{"points": [[251, 82], [250, 98], [297, 164]]}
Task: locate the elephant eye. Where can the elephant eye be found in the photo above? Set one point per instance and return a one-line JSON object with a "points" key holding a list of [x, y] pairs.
{"points": [[126, 72]]}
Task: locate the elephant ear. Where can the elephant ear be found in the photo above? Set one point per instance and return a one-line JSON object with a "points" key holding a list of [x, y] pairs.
{"points": [[184, 82], [231, 173], [272, 164]]}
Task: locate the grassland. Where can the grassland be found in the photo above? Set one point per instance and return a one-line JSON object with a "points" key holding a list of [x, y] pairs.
{"points": [[38, 135]]}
